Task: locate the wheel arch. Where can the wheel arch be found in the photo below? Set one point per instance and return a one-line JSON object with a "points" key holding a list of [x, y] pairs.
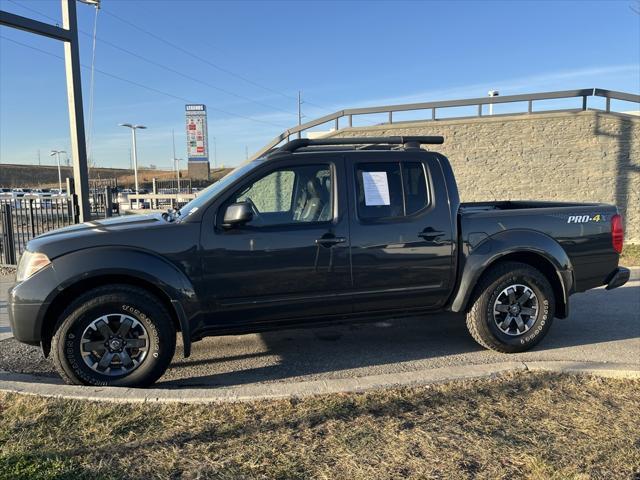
{"points": [[525, 246], [66, 296], [544, 266], [85, 270]]}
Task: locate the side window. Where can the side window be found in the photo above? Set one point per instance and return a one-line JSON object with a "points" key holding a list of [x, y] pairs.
{"points": [[415, 187], [272, 193], [379, 190], [390, 190], [301, 194]]}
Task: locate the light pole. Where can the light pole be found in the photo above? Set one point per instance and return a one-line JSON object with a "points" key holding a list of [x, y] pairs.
{"points": [[492, 93], [215, 154], [134, 150], [176, 166], [57, 154]]}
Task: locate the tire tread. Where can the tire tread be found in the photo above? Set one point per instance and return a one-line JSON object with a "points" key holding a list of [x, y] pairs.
{"points": [[475, 319], [93, 298]]}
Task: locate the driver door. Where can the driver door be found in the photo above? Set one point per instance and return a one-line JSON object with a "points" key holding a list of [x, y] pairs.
{"points": [[291, 259]]}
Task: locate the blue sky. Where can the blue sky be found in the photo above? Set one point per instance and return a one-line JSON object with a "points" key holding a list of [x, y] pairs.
{"points": [[257, 55]]}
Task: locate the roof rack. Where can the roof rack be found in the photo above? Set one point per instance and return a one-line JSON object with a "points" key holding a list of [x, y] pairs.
{"points": [[406, 142]]}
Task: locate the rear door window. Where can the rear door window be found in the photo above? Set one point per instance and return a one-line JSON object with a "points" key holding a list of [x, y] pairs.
{"points": [[415, 187], [390, 190]]}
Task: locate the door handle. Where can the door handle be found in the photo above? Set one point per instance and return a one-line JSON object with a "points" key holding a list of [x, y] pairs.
{"points": [[330, 241], [431, 235]]}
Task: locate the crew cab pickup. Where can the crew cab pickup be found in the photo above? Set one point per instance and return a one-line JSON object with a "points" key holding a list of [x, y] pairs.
{"points": [[316, 231]]}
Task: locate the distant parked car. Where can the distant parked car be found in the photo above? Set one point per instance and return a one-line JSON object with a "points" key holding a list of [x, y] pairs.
{"points": [[42, 196]]}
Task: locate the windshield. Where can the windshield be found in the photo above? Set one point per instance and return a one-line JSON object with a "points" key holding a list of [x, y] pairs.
{"points": [[214, 189]]}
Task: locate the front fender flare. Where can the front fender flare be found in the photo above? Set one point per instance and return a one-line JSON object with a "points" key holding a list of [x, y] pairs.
{"points": [[482, 256], [133, 263]]}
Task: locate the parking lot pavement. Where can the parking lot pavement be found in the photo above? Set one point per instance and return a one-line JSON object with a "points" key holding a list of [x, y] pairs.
{"points": [[5, 284], [604, 326]]}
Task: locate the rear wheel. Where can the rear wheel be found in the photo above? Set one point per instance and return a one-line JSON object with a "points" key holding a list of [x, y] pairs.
{"points": [[115, 335], [513, 308]]}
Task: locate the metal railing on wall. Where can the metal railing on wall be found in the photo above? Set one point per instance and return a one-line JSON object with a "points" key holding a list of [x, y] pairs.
{"points": [[433, 108]]}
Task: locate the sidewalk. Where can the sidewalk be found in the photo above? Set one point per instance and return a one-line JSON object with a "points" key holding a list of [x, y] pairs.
{"points": [[5, 283]]}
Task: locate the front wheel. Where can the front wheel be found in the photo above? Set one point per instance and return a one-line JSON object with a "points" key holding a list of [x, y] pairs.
{"points": [[116, 335], [513, 308]]}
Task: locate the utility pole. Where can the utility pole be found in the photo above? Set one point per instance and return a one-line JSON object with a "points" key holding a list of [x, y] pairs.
{"points": [[299, 111], [39, 162]]}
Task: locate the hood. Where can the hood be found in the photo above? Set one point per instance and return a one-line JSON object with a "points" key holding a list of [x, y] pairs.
{"points": [[129, 230]]}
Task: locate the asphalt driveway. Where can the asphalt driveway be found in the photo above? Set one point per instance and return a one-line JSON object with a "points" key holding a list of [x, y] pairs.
{"points": [[604, 326]]}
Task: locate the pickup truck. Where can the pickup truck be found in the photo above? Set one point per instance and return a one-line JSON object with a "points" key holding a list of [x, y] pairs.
{"points": [[316, 231]]}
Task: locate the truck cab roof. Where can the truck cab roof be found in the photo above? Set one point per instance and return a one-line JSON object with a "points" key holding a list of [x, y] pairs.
{"points": [[353, 143]]}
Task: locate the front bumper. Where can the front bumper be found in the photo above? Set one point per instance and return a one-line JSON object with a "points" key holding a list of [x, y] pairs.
{"points": [[617, 278], [25, 321], [28, 303]]}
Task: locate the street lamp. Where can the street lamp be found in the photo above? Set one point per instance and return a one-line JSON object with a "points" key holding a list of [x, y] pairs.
{"points": [[133, 148], [176, 164], [492, 93], [57, 154]]}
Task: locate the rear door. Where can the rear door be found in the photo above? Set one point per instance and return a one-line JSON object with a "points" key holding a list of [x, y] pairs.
{"points": [[401, 235]]}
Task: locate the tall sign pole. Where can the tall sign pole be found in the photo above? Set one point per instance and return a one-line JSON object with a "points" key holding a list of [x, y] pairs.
{"points": [[76, 114], [68, 34]]}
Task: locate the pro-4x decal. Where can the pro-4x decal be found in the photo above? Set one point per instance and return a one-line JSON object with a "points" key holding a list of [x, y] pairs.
{"points": [[598, 217]]}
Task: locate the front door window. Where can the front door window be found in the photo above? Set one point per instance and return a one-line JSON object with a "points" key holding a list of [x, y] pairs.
{"points": [[291, 195]]}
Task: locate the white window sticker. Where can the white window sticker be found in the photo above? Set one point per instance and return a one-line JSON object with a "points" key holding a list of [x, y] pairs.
{"points": [[376, 188]]}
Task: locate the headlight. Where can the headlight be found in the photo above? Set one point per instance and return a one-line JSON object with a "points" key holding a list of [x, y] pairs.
{"points": [[31, 263]]}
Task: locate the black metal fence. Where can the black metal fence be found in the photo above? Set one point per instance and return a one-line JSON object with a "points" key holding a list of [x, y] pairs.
{"points": [[185, 185], [103, 197], [24, 218]]}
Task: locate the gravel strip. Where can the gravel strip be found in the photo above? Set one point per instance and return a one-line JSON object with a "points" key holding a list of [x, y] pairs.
{"points": [[20, 358], [7, 271]]}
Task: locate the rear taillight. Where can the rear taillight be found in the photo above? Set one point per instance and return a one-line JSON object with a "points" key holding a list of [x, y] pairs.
{"points": [[617, 233]]}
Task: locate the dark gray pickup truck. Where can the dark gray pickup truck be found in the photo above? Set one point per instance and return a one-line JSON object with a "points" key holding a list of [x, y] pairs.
{"points": [[317, 231]]}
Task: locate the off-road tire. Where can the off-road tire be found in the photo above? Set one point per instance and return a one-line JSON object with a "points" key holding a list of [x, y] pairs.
{"points": [[135, 302], [480, 317]]}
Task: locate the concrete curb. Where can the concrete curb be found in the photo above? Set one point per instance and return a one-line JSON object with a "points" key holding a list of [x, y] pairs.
{"points": [[53, 388]]}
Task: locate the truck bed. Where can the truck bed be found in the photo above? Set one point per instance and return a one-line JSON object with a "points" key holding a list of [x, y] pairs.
{"points": [[468, 207], [583, 230]]}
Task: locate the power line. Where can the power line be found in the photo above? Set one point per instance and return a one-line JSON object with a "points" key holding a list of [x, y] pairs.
{"points": [[160, 65], [187, 52], [91, 85], [208, 62], [146, 87], [198, 57], [189, 77], [193, 55], [57, 20]]}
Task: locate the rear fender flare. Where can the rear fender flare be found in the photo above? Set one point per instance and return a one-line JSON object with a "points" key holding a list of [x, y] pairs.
{"points": [[499, 246]]}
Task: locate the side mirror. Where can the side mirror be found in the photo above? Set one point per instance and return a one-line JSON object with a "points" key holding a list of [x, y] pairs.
{"points": [[237, 214]]}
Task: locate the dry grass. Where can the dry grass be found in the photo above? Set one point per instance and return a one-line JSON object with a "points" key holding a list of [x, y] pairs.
{"points": [[630, 255], [518, 426]]}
